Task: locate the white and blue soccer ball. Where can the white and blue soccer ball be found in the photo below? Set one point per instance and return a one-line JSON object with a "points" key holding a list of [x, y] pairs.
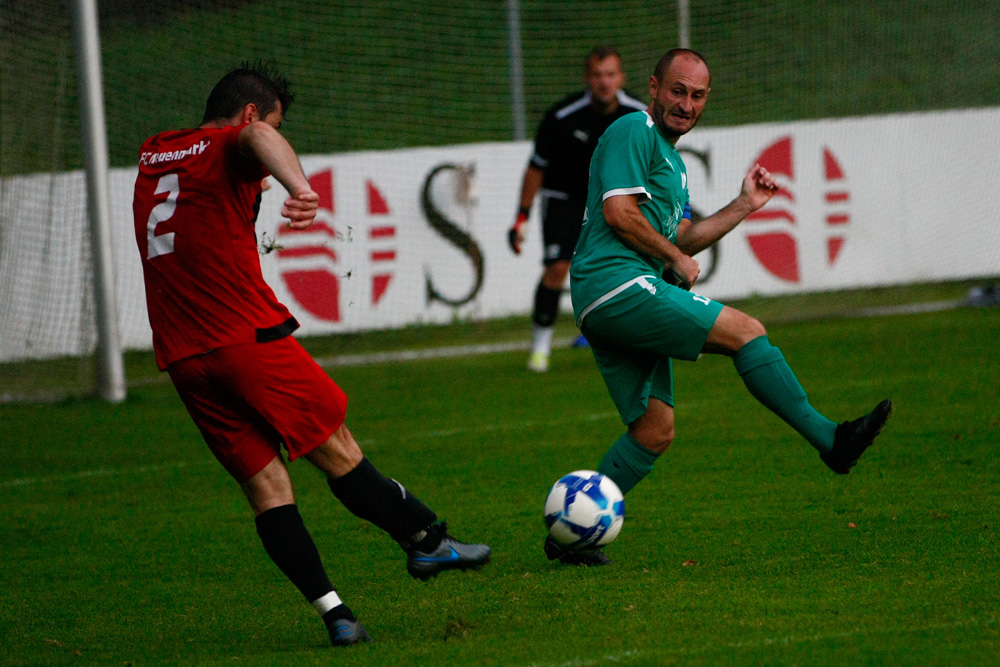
{"points": [[584, 510]]}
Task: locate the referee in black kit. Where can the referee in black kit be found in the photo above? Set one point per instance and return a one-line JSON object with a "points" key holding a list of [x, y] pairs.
{"points": [[558, 170]]}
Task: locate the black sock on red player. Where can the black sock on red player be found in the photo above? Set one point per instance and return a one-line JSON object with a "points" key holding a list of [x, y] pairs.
{"points": [[370, 495]]}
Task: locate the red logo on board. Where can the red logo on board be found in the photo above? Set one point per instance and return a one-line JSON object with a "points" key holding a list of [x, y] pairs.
{"points": [[773, 232], [316, 279]]}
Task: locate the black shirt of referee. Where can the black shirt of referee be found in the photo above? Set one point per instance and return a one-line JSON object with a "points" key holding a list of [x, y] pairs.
{"points": [[567, 139], [558, 171]]}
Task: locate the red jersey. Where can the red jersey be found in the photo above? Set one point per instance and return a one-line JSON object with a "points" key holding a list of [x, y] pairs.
{"points": [[196, 202]]}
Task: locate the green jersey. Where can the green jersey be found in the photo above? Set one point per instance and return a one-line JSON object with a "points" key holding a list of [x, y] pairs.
{"points": [[632, 158]]}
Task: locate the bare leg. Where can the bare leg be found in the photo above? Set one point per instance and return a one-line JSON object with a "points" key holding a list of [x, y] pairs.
{"points": [[555, 274], [337, 456], [732, 330], [270, 488], [654, 430]]}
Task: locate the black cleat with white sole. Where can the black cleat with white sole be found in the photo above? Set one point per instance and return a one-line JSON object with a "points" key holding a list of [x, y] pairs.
{"points": [[589, 558], [854, 437]]}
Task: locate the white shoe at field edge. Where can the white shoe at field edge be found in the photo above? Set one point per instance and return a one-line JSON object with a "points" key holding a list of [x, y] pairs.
{"points": [[538, 362]]}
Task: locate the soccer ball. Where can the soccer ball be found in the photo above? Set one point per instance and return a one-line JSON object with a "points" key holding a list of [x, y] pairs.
{"points": [[584, 510]]}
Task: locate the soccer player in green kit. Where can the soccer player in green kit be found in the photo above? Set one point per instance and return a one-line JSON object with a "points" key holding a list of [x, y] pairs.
{"points": [[635, 233]]}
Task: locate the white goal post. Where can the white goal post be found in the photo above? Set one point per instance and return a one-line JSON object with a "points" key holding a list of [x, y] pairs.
{"points": [[111, 385]]}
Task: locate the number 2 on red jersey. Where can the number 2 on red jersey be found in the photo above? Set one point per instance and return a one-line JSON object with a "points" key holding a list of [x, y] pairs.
{"points": [[164, 243]]}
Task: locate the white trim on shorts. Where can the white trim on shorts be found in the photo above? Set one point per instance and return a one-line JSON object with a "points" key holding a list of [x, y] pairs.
{"points": [[638, 280], [552, 194]]}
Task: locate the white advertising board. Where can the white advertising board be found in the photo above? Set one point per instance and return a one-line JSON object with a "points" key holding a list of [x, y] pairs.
{"points": [[419, 235]]}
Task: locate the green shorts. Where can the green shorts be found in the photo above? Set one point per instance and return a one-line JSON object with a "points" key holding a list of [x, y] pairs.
{"points": [[635, 335]]}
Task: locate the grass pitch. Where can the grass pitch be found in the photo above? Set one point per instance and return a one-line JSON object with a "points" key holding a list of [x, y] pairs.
{"points": [[125, 543]]}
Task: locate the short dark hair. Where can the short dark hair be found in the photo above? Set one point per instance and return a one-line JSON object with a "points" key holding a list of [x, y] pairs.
{"points": [[258, 83], [599, 53], [668, 57]]}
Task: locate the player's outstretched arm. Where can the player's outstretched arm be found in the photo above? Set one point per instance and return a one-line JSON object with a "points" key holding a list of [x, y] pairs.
{"points": [[757, 189], [274, 152]]}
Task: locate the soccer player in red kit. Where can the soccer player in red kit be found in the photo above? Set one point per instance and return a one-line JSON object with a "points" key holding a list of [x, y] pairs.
{"points": [[224, 339]]}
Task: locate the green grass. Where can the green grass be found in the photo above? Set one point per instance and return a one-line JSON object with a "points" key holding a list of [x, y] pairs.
{"points": [[54, 379], [124, 542]]}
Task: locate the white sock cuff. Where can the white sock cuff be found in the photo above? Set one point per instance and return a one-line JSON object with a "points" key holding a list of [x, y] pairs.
{"points": [[327, 602], [541, 338]]}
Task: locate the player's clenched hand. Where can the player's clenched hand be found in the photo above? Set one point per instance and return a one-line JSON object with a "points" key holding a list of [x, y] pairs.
{"points": [[685, 270], [300, 209], [758, 187]]}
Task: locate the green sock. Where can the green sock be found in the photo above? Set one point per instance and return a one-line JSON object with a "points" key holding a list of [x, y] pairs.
{"points": [[627, 462], [771, 381]]}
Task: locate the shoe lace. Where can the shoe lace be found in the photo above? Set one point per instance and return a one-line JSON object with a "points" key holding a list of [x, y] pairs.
{"points": [[442, 527]]}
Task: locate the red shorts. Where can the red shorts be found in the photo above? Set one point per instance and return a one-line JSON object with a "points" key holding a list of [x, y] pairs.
{"points": [[249, 399]]}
